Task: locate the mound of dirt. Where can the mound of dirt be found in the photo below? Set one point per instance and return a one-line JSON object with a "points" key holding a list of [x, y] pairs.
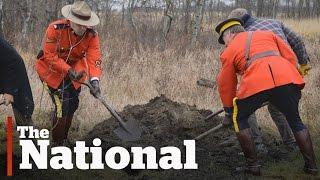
{"points": [[168, 123], [163, 122]]}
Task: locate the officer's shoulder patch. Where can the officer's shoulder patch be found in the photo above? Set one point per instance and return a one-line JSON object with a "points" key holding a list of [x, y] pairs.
{"points": [[92, 31], [61, 26]]}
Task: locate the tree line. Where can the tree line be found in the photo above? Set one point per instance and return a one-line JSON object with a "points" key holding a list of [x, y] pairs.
{"points": [[29, 18]]}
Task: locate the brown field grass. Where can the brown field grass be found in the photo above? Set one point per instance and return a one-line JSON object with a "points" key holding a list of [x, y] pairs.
{"points": [[131, 78]]}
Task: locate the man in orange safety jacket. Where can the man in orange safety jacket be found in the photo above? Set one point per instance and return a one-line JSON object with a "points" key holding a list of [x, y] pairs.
{"points": [[71, 54], [268, 71]]}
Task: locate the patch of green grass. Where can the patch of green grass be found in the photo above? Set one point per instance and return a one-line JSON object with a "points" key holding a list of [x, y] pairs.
{"points": [[291, 169]]}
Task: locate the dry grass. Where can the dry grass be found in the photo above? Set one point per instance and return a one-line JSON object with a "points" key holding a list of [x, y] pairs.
{"points": [[131, 78], [142, 78], [308, 28]]}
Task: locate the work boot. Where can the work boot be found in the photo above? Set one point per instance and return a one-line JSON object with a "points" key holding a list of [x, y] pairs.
{"points": [[248, 148], [305, 144], [58, 131]]}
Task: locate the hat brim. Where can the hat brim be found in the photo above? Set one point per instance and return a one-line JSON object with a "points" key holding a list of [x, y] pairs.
{"points": [[93, 21], [220, 40], [221, 24]]}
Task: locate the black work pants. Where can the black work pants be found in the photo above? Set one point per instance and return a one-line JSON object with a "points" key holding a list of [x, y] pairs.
{"points": [[65, 99], [285, 98]]}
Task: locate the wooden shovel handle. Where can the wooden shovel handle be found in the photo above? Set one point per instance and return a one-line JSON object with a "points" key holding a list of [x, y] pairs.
{"points": [[219, 126]]}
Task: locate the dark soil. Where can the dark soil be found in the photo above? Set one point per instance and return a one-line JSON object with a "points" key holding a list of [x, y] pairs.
{"points": [[168, 123]]}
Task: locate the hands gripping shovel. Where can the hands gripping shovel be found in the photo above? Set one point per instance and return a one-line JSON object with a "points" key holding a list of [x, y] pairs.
{"points": [[129, 130]]}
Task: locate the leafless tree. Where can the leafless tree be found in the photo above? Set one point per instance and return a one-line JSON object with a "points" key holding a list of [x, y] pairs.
{"points": [[166, 22], [197, 21], [259, 8], [187, 15], [22, 22], [130, 10]]}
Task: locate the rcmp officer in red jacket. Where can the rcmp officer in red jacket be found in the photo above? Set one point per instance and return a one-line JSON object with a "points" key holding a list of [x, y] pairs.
{"points": [[268, 70], [296, 43], [71, 54]]}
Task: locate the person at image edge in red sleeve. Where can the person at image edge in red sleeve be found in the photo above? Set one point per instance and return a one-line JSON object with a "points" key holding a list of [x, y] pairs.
{"points": [[268, 70], [71, 54]]}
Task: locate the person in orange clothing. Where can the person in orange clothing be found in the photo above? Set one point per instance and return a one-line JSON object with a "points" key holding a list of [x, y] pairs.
{"points": [[268, 71], [70, 55]]}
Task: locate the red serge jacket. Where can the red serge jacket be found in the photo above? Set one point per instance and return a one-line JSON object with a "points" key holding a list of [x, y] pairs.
{"points": [[63, 50], [263, 73]]}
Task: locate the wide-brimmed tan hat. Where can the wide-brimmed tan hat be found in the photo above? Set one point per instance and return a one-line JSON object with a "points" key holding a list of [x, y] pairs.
{"points": [[80, 13]]}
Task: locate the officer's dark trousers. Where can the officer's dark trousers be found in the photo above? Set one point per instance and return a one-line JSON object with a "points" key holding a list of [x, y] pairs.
{"points": [[66, 101], [285, 98]]}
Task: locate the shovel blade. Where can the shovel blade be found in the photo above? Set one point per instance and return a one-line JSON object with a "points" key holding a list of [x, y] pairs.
{"points": [[129, 132]]}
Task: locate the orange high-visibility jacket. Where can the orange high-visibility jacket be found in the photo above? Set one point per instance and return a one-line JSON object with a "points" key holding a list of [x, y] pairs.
{"points": [[63, 50], [263, 73]]}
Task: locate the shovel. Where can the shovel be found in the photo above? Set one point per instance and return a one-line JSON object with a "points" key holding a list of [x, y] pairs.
{"points": [[129, 130], [219, 126], [213, 114], [206, 83]]}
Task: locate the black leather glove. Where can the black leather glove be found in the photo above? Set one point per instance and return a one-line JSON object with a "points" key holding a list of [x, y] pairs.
{"points": [[95, 90], [74, 75]]}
